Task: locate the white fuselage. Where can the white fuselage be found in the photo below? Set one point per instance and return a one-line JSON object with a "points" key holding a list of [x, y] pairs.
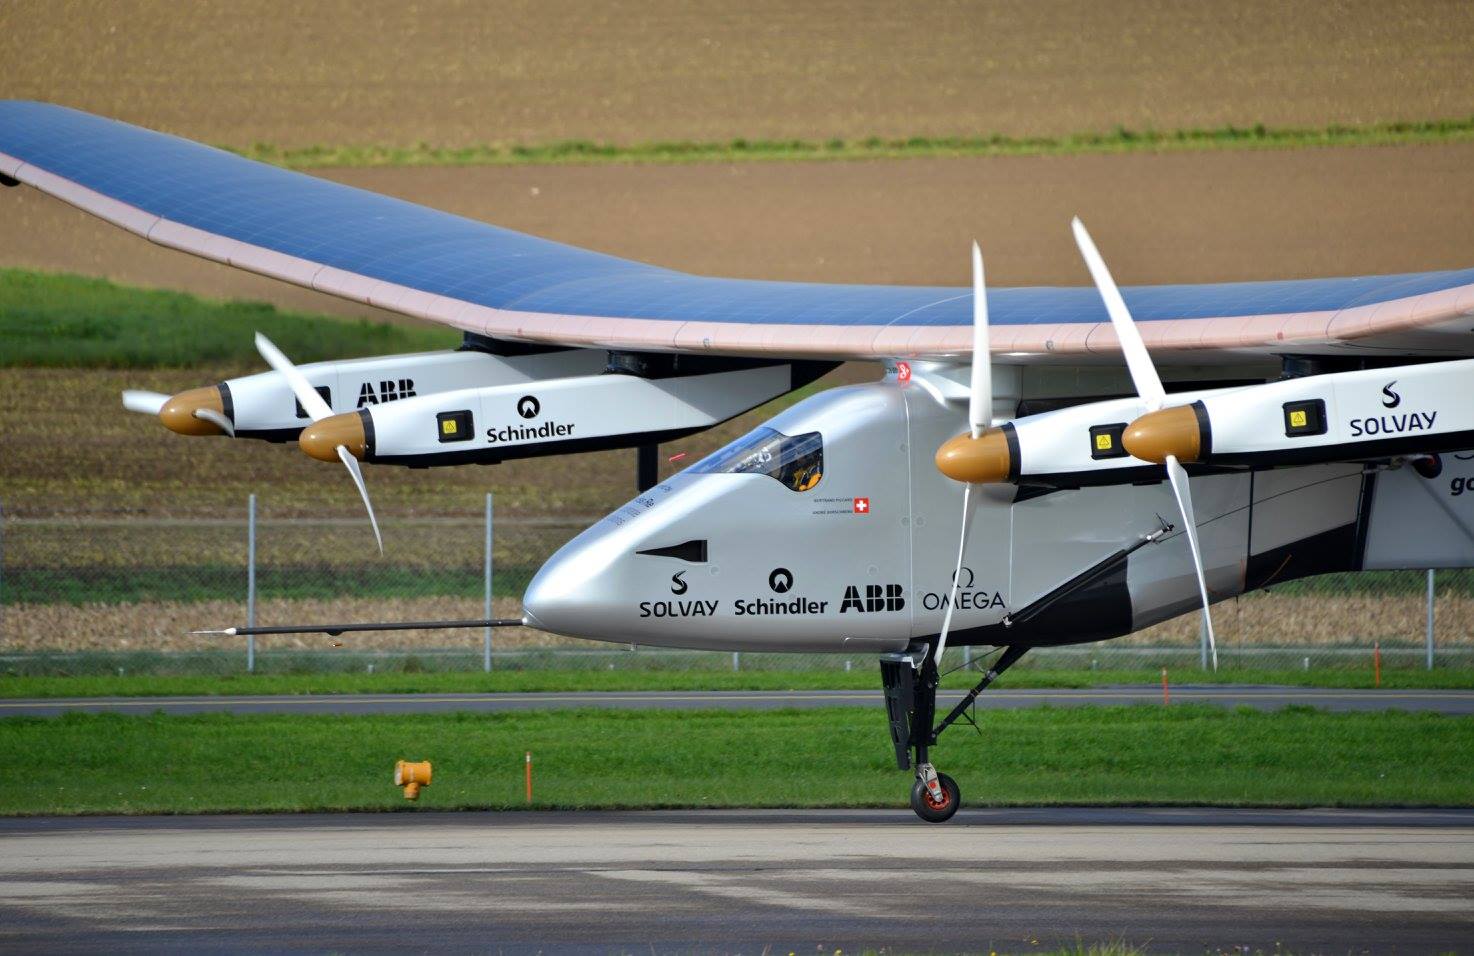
{"points": [[862, 559]]}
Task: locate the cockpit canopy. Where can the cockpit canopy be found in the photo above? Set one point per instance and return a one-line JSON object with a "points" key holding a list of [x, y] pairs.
{"points": [[795, 460]]}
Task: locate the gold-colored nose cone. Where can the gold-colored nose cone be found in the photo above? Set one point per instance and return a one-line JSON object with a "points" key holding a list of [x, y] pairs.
{"points": [[981, 460], [322, 438], [1167, 431], [178, 413]]}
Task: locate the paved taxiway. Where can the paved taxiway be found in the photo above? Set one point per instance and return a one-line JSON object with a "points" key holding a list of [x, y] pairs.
{"points": [[1014, 880], [1264, 698]]}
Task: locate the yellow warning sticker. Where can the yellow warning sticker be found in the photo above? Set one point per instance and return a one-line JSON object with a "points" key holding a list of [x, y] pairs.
{"points": [[448, 426], [1297, 418], [1103, 442]]}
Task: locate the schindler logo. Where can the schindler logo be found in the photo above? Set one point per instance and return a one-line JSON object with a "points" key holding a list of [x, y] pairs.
{"points": [[528, 407]]}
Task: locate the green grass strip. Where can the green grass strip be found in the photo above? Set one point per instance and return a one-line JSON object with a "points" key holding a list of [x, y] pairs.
{"points": [[88, 763], [61, 320], [1118, 140], [630, 676]]}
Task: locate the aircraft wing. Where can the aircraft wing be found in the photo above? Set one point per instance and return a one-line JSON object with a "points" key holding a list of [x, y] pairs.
{"points": [[496, 282]]}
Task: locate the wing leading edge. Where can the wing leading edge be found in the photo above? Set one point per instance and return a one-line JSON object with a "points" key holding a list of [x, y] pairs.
{"points": [[497, 282]]}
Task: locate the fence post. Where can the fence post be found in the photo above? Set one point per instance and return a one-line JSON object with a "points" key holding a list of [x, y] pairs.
{"points": [[1428, 631], [1202, 643], [251, 582], [486, 632], [2, 570], [736, 660]]}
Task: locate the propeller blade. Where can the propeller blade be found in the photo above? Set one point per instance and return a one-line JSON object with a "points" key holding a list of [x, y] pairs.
{"points": [[357, 473], [145, 403], [216, 419], [317, 409], [1178, 476], [980, 399], [956, 575], [312, 402], [1143, 372], [1149, 387]]}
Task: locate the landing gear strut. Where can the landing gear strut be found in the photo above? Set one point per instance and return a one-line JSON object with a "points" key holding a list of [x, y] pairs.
{"points": [[911, 705]]}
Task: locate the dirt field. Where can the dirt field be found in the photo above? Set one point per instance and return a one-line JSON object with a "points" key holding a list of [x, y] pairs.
{"points": [[532, 71]]}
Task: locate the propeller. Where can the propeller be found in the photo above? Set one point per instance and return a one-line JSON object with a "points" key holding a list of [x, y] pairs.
{"points": [[145, 403], [178, 412], [317, 409], [979, 420], [1149, 387]]}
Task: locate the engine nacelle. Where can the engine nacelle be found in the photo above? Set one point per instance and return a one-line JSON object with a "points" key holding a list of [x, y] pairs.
{"points": [[1342, 416], [262, 405], [614, 409], [1369, 413]]}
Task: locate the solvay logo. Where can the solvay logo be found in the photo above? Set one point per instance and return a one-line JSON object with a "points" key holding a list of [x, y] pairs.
{"points": [[1399, 424], [528, 406], [678, 584]]}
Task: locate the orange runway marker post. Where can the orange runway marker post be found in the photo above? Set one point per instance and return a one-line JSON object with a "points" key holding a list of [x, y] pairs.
{"points": [[1166, 695], [1377, 664], [529, 776]]}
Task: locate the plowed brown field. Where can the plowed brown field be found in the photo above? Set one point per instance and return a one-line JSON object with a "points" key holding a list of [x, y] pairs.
{"points": [[458, 72]]}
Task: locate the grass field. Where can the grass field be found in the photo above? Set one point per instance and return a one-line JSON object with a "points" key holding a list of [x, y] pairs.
{"points": [[530, 681], [1118, 140], [57, 320], [1144, 755]]}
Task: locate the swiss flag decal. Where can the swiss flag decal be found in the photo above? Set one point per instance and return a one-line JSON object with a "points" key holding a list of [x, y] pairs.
{"points": [[862, 506]]}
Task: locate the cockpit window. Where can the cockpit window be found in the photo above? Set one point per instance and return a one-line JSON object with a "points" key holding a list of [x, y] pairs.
{"points": [[797, 460]]}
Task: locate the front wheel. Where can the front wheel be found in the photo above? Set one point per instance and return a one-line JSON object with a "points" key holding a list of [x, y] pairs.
{"points": [[931, 809]]}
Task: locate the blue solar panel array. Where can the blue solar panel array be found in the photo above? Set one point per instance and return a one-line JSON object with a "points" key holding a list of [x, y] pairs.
{"points": [[437, 252]]}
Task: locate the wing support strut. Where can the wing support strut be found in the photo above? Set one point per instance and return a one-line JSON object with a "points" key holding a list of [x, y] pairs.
{"points": [[1084, 579], [335, 629]]}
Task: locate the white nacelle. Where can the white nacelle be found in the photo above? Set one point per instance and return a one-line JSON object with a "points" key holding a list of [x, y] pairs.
{"points": [[1320, 418], [262, 405], [560, 415], [1345, 415]]}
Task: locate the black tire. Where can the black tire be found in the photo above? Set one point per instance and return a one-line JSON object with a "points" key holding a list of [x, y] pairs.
{"points": [[930, 811]]}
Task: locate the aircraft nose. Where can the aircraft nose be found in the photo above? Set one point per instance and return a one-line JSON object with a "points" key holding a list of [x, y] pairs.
{"points": [[567, 593]]}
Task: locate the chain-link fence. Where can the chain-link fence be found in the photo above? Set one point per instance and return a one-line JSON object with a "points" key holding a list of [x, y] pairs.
{"points": [[92, 594]]}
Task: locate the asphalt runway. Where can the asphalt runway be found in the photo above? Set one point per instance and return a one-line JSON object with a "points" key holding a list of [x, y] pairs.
{"points": [[1452, 702], [749, 881]]}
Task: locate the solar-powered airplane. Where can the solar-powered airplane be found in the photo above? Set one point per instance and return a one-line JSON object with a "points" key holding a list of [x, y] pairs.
{"points": [[1002, 484]]}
